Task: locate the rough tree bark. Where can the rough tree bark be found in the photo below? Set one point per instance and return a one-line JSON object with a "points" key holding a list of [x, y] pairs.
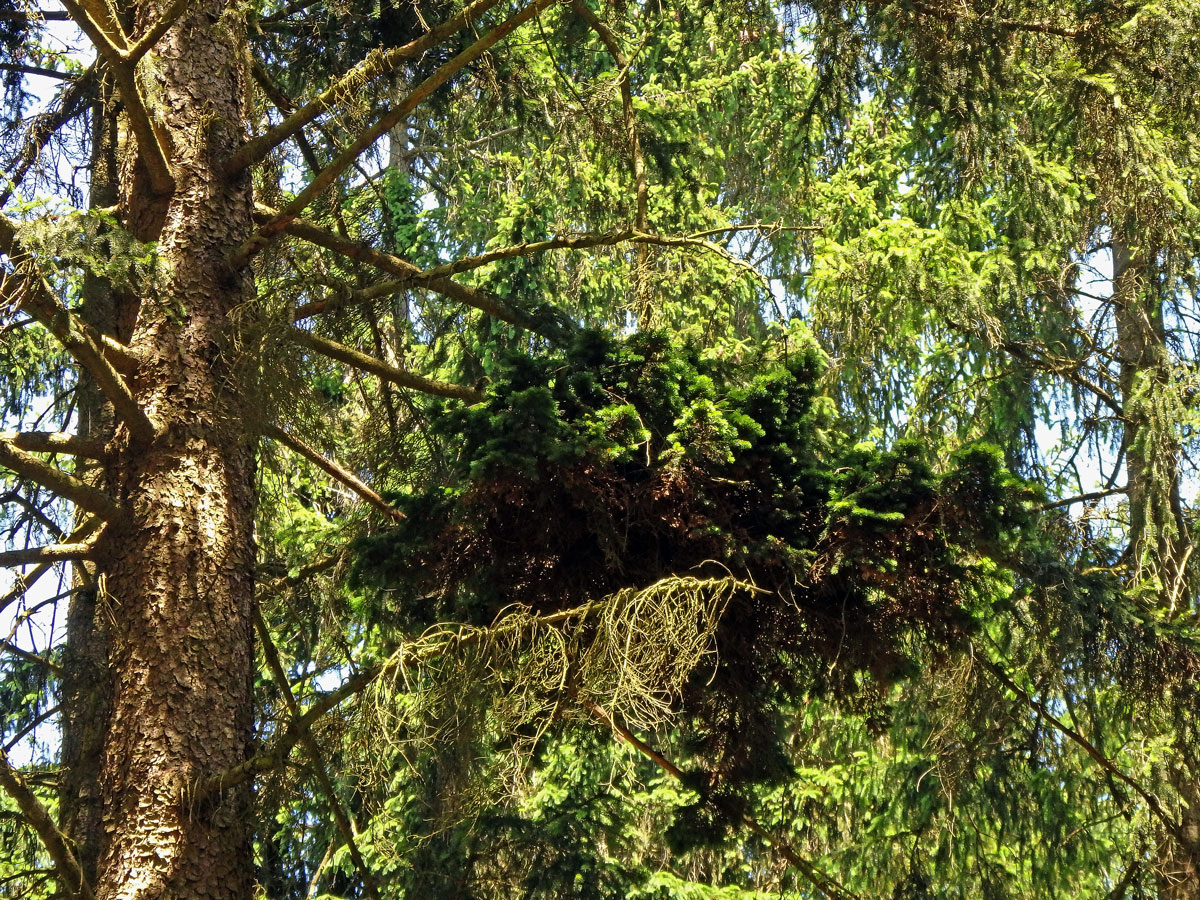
{"points": [[1158, 542], [172, 610]]}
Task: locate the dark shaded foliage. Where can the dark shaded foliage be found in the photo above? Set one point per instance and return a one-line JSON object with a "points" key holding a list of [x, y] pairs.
{"points": [[616, 463]]}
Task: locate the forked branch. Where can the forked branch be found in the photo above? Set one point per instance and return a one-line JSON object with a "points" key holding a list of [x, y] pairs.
{"points": [[105, 33], [373, 67], [382, 126]]}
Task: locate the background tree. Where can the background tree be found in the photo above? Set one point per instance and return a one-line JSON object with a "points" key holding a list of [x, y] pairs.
{"points": [[302, 223]]}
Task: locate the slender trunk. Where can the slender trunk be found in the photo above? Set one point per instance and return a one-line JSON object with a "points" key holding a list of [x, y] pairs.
{"points": [[176, 580], [1157, 533], [85, 686]]}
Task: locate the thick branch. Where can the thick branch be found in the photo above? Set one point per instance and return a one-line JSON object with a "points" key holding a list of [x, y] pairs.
{"points": [[156, 31], [105, 33], [70, 875], [101, 29], [55, 479], [334, 471], [36, 70], [53, 442], [385, 124], [351, 84], [1089, 497], [51, 553], [40, 15], [380, 369]]}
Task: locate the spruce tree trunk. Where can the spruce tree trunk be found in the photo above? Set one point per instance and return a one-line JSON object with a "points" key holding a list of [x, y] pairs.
{"points": [[1157, 531], [175, 581]]}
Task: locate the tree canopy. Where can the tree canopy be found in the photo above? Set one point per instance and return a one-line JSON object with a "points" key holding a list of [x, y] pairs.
{"points": [[540, 449]]}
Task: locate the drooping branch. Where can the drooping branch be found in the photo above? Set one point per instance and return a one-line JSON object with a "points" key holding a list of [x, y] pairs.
{"points": [[380, 369], [334, 471], [1088, 747], [314, 754], [382, 126], [70, 874], [436, 641], [613, 46], [53, 442], [55, 479], [373, 67]]}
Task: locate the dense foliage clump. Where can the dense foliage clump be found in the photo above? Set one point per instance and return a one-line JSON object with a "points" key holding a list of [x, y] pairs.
{"points": [[618, 462]]}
